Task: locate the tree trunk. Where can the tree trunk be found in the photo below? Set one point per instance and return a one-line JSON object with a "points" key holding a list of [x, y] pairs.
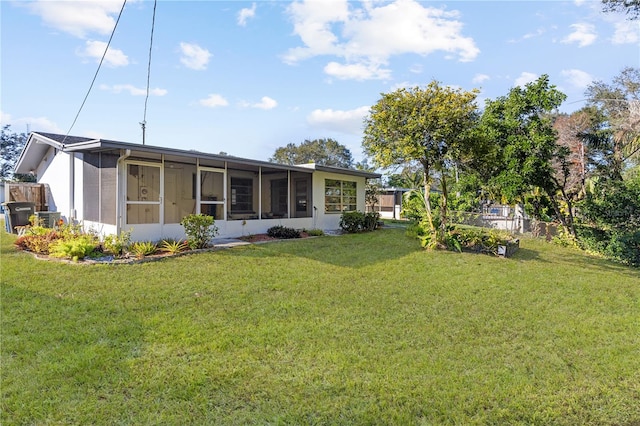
{"points": [[427, 196], [443, 203], [567, 222]]}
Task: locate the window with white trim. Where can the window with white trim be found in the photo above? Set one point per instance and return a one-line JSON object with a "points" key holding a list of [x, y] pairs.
{"points": [[340, 196]]}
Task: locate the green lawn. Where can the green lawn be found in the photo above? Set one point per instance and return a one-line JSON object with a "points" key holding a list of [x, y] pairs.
{"points": [[358, 329]]}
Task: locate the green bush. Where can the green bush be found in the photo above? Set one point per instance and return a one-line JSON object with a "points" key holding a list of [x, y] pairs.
{"points": [[76, 249], [174, 246], [282, 232], [460, 239], [621, 246], [143, 248], [352, 222], [200, 229], [315, 232], [117, 244]]}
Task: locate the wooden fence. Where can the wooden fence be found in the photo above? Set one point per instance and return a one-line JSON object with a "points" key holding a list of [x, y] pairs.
{"points": [[35, 193]]}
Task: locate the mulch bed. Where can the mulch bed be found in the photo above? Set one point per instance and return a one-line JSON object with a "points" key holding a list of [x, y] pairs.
{"points": [[261, 238]]}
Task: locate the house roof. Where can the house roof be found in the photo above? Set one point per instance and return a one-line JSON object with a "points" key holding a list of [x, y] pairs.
{"points": [[39, 143]]}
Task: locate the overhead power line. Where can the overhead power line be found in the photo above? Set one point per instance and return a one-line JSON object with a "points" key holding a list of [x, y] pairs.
{"points": [[95, 76], [146, 99]]}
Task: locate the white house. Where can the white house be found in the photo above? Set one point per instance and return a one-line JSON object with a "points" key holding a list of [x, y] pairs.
{"points": [[111, 187]]}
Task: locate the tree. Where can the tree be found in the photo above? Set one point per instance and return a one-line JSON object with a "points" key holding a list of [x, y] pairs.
{"points": [[618, 106], [629, 7], [572, 169], [11, 145], [325, 152], [410, 177], [430, 127], [521, 124]]}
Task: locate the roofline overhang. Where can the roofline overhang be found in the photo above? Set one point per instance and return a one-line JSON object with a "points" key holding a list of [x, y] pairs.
{"points": [[97, 145], [341, 170]]}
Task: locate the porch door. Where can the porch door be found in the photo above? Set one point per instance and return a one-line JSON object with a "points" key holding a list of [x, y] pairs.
{"points": [[143, 206], [211, 192]]}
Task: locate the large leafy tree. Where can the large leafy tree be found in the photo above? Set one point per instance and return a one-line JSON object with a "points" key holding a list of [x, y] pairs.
{"points": [[571, 170], [326, 152], [11, 145], [630, 7], [431, 127], [617, 107], [521, 124]]}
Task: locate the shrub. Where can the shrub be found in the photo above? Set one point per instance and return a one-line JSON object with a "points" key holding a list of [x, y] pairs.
{"points": [[117, 244], [620, 246], [315, 232], [38, 242], [459, 239], [356, 221], [351, 222], [143, 248], [75, 249], [174, 246], [200, 229], [282, 232], [371, 221]]}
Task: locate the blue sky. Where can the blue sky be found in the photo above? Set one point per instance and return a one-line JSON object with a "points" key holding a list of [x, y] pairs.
{"points": [[248, 77]]}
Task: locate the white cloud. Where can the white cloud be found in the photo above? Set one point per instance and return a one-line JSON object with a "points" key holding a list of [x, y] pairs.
{"points": [[626, 32], [134, 91], [5, 118], [95, 49], [194, 56], [416, 69], [245, 14], [38, 124], [577, 78], [77, 18], [480, 78], [213, 101], [359, 71], [534, 34], [583, 34], [525, 77], [354, 34], [265, 103], [340, 121]]}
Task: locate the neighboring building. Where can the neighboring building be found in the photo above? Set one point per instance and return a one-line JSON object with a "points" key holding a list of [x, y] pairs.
{"points": [[111, 187], [389, 204]]}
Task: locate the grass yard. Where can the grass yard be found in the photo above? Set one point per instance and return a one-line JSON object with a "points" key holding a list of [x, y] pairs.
{"points": [[359, 330]]}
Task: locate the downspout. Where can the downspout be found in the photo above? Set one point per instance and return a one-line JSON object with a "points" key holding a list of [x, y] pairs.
{"points": [[124, 156]]}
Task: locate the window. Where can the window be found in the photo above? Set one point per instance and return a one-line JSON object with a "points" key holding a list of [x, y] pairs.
{"points": [[339, 196], [241, 195]]}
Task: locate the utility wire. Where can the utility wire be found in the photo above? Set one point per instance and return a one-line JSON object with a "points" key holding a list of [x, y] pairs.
{"points": [[146, 99], [106, 49]]}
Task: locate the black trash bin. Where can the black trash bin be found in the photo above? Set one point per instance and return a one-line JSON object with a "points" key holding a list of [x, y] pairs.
{"points": [[19, 213]]}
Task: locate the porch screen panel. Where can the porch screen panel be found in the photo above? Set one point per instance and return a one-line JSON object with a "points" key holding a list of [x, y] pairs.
{"points": [[179, 191], [212, 193], [91, 188], [99, 192], [143, 194], [109, 191]]}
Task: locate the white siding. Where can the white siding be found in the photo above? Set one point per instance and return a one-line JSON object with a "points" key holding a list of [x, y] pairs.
{"points": [[331, 221], [54, 171]]}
